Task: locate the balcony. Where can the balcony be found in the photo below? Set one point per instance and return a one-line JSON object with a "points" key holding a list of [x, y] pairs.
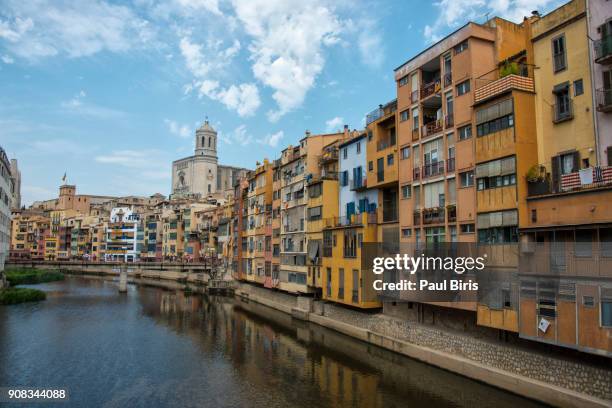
{"points": [[449, 121], [450, 165], [384, 144], [431, 88], [503, 80], [603, 50], [432, 127], [434, 215], [604, 100], [416, 217], [451, 212], [329, 155], [381, 111], [433, 169], [563, 111], [359, 184], [448, 79], [601, 176]]}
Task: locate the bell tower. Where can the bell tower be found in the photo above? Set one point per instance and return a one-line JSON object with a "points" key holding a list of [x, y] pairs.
{"points": [[206, 141]]}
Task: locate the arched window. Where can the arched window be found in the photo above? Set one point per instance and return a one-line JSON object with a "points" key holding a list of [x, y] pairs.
{"points": [[209, 188], [209, 141], [203, 142]]}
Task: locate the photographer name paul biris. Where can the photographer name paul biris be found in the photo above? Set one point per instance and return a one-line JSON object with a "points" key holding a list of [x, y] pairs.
{"points": [[425, 285], [412, 264]]}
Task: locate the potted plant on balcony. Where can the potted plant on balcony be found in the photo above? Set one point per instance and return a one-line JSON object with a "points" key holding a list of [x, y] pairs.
{"points": [[537, 180], [509, 68]]}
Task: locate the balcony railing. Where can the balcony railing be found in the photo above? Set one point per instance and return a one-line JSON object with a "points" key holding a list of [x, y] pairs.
{"points": [[381, 111], [416, 216], [563, 111], [433, 169], [434, 215], [416, 173], [503, 79], [448, 79], [359, 184], [432, 127], [604, 100], [430, 88], [603, 49], [601, 176], [450, 165], [328, 156], [383, 144], [451, 213], [449, 121], [415, 134], [346, 221]]}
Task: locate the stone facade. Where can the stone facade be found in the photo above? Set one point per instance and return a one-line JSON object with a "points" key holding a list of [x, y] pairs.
{"points": [[201, 175]]}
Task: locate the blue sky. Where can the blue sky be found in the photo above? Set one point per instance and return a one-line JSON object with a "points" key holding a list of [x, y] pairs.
{"points": [[111, 92]]}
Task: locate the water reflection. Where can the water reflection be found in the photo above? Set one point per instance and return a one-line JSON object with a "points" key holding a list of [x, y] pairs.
{"points": [[158, 347]]}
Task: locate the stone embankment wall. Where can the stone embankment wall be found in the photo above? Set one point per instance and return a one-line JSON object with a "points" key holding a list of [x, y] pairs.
{"points": [[546, 377]]}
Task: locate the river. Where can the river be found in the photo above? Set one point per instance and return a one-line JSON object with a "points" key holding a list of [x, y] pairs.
{"points": [[161, 347]]}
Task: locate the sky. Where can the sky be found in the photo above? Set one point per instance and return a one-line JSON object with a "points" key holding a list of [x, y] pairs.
{"points": [[111, 92]]}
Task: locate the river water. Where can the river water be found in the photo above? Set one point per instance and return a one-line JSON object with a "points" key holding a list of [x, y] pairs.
{"points": [[160, 347]]}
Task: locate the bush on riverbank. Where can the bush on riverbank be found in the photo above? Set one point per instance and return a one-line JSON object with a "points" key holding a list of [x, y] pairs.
{"points": [[12, 296], [28, 276]]}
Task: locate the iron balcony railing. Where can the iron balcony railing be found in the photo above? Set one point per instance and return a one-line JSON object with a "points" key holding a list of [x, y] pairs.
{"points": [[358, 184], [603, 49], [449, 121], [416, 217], [448, 79], [433, 169], [434, 215], [431, 88], [355, 297], [563, 111], [450, 164], [416, 173], [432, 127], [383, 144], [604, 100]]}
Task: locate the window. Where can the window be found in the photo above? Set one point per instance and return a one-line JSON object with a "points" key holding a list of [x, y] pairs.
{"points": [[578, 87], [344, 153], [314, 213], [358, 147], [370, 135], [406, 191], [344, 178], [606, 312], [404, 115], [466, 178], [390, 160], [562, 107], [558, 49], [495, 125], [583, 247], [415, 119], [370, 166], [588, 301], [403, 80], [468, 228], [405, 153], [314, 190], [461, 47], [406, 232], [463, 88], [465, 132]]}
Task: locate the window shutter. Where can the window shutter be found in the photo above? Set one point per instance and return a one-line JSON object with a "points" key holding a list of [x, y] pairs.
{"points": [[556, 173], [576, 161]]}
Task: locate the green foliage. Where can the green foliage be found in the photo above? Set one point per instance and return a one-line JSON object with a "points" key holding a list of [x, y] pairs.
{"points": [[509, 68], [536, 173], [28, 276], [12, 296]]}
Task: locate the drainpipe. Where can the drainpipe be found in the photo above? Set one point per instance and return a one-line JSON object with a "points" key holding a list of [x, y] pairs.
{"points": [[593, 90]]}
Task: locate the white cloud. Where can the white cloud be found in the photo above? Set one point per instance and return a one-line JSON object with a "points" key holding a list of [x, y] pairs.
{"points": [[47, 28], [208, 5], [77, 105], [239, 136], [138, 159], [208, 61], [7, 59], [273, 139], [177, 129], [334, 124], [453, 13], [287, 45]]}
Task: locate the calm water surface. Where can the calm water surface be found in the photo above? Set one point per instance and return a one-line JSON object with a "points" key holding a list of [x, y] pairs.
{"points": [[158, 347]]}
